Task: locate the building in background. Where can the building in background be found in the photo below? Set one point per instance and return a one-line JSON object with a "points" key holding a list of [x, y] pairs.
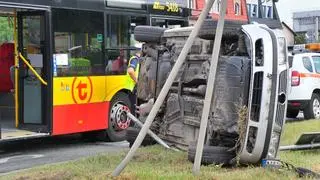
{"points": [[236, 10], [264, 12], [243, 11], [306, 23], [289, 33]]}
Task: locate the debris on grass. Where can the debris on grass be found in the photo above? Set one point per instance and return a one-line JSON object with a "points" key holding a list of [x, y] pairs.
{"points": [[242, 130]]}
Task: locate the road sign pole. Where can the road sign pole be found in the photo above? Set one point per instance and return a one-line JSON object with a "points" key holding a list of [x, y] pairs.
{"points": [[164, 91], [210, 88]]}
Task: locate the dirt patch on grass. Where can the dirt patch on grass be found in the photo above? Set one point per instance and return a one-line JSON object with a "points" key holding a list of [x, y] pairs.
{"points": [[146, 156], [182, 159], [47, 176], [316, 168], [123, 176]]}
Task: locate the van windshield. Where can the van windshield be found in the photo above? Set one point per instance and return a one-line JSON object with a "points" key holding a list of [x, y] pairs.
{"points": [[316, 62]]}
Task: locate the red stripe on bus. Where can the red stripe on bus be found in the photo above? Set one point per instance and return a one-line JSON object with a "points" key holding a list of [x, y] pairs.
{"points": [[75, 118]]}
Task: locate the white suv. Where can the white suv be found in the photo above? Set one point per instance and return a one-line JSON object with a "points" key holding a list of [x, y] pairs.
{"points": [[304, 87]]}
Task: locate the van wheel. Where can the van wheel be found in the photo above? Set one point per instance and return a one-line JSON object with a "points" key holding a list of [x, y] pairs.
{"points": [[212, 154], [209, 26], [118, 120], [148, 33], [292, 113], [312, 111], [132, 133]]}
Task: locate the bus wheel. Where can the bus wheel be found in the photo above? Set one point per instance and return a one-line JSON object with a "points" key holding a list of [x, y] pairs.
{"points": [[118, 120]]}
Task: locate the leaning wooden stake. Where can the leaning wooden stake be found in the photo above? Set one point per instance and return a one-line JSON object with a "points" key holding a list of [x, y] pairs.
{"points": [[210, 88], [164, 91]]}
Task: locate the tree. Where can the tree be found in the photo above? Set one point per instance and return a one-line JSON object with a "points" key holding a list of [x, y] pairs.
{"points": [[6, 29], [300, 39]]}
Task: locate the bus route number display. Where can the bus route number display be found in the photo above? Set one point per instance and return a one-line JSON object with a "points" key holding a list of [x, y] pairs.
{"points": [[169, 6]]}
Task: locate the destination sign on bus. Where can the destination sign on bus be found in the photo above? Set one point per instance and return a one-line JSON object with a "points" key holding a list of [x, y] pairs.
{"points": [[167, 7]]}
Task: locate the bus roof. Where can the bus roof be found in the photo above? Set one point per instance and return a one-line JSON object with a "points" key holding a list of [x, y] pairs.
{"points": [[97, 5]]}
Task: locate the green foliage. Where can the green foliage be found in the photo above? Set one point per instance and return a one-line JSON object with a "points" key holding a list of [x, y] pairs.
{"points": [[6, 29], [80, 62], [80, 66], [300, 39]]}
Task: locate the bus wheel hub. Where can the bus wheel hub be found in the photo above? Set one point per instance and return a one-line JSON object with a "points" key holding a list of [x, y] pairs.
{"points": [[119, 116]]}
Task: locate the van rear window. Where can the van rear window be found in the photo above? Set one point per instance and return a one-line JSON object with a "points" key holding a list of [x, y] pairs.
{"points": [[316, 62]]}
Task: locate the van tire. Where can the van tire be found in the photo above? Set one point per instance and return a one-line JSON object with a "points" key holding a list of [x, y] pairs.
{"points": [[209, 26], [148, 33], [292, 113], [132, 133], [212, 154], [312, 111], [114, 134]]}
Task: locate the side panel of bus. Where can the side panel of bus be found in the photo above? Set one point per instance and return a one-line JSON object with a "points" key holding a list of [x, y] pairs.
{"points": [[82, 103]]}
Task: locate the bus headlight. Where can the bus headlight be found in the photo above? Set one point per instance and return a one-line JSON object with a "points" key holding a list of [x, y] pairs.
{"points": [[282, 48]]}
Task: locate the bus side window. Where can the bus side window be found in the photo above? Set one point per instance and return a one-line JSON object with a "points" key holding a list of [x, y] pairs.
{"points": [[117, 62], [79, 34]]}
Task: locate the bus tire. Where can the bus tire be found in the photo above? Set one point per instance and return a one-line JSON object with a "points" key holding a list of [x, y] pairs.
{"points": [[148, 33], [118, 121], [93, 136]]}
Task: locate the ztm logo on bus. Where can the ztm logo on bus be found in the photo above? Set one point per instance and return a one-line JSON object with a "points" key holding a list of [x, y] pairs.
{"points": [[82, 90]]}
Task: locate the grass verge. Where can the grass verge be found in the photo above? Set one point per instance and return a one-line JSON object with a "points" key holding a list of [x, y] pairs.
{"points": [[293, 130], [157, 163]]}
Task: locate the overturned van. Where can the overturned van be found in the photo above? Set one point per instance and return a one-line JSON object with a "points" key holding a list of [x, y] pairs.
{"points": [[250, 94]]}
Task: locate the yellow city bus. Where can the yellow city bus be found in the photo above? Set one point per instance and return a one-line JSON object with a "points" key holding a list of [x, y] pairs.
{"points": [[68, 68]]}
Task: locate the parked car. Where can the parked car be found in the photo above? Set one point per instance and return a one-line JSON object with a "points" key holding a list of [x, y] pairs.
{"points": [[304, 85]]}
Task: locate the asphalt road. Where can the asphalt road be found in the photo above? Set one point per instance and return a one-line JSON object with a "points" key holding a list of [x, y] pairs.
{"points": [[27, 154]]}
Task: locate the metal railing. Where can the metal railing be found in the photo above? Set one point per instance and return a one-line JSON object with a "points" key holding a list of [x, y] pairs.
{"points": [[32, 69]]}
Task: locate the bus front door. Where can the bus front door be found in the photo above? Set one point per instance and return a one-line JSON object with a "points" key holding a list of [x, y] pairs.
{"points": [[33, 50]]}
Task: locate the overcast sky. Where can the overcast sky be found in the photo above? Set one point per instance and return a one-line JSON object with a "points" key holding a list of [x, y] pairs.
{"points": [[287, 7]]}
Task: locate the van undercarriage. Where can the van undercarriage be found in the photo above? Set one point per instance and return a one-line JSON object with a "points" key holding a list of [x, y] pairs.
{"points": [[249, 103]]}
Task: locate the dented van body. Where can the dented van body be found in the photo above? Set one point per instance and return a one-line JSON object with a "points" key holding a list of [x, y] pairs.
{"points": [[249, 101]]}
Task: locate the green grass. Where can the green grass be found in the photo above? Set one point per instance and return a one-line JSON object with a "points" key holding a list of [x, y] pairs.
{"points": [[157, 163], [149, 163], [293, 130]]}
